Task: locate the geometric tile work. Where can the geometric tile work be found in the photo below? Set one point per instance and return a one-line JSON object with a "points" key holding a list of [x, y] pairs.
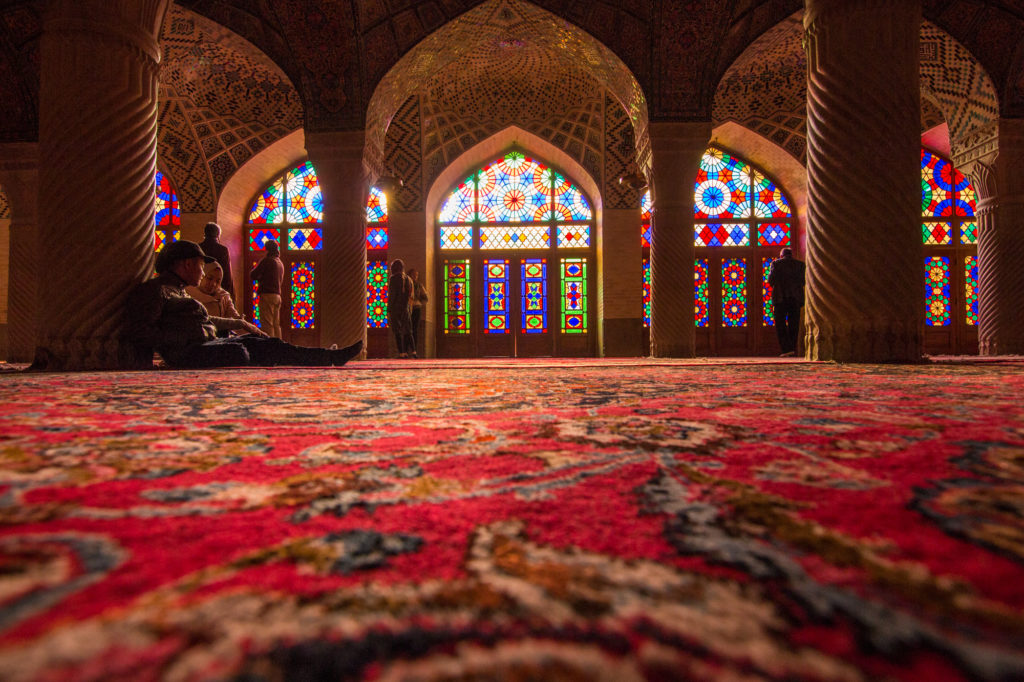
{"points": [[620, 151], [765, 90], [221, 102], [957, 82], [403, 155], [506, 62]]}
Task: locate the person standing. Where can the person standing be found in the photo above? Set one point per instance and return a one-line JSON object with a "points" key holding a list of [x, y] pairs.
{"points": [[786, 278], [399, 300], [268, 275], [211, 246], [419, 300]]}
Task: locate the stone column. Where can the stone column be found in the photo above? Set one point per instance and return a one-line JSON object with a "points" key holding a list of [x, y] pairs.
{"points": [[676, 150], [19, 177], [991, 158], [864, 254], [97, 142], [338, 158]]}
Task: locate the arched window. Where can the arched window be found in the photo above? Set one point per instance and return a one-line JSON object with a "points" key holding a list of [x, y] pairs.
{"points": [[950, 236], [290, 211], [741, 220], [377, 260], [516, 265], [168, 213]]}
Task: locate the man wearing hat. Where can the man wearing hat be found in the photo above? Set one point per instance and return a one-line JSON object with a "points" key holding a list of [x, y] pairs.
{"points": [[161, 316]]}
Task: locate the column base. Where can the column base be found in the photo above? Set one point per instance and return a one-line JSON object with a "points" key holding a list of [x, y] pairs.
{"points": [[991, 347], [867, 342], [86, 354]]}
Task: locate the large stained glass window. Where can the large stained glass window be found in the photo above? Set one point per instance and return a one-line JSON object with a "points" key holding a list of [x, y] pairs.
{"points": [[742, 218], [529, 231], [168, 213], [949, 233], [289, 211]]}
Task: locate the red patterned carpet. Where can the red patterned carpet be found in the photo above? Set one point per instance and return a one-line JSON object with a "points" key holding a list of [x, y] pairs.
{"points": [[589, 520]]}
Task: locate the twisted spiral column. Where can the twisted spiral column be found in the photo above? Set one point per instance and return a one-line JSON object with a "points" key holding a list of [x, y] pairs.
{"points": [[992, 160], [19, 176], [97, 142], [864, 253], [676, 150], [338, 158]]}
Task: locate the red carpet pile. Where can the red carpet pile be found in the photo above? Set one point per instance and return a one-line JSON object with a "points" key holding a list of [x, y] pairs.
{"points": [[586, 520]]}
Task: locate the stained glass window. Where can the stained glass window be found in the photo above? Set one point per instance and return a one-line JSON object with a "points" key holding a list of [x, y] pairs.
{"points": [[646, 209], [574, 295], [168, 213], [768, 311], [734, 292], [516, 203], [377, 294], [647, 291], [290, 211], [376, 220], [534, 288], [949, 234], [496, 299], [456, 296], [303, 294], [971, 289], [700, 287], [937, 305]]}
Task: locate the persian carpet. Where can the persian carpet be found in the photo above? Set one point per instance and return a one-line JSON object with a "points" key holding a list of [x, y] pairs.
{"points": [[558, 520]]}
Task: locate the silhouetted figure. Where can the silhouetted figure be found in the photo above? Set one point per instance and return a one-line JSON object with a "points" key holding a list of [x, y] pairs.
{"points": [[268, 275], [211, 246], [786, 278], [399, 305]]}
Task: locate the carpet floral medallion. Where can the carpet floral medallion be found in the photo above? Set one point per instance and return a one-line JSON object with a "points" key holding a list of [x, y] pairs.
{"points": [[561, 521]]}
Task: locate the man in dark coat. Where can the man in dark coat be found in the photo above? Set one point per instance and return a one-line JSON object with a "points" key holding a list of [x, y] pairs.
{"points": [[211, 246], [786, 278]]}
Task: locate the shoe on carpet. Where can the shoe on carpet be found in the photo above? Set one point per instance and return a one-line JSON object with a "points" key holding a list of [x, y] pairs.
{"points": [[788, 354], [339, 356]]}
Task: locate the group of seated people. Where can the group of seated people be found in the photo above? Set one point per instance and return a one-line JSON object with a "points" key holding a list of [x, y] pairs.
{"points": [[185, 315]]}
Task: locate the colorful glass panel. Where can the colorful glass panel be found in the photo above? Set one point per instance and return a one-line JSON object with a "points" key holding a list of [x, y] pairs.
{"points": [[773, 234], [646, 206], [569, 202], [572, 236], [168, 212], [306, 239], [456, 237], [256, 305], [377, 237], [458, 207], [700, 292], [258, 237], [305, 200], [303, 294], [768, 311], [769, 201], [734, 292], [574, 296], [521, 237], [268, 208], [376, 294], [937, 304], [971, 289], [165, 237], [534, 292], [376, 206], [937, 233], [513, 189], [722, 189], [456, 296], [725, 234], [647, 292], [944, 190], [496, 301], [969, 233]]}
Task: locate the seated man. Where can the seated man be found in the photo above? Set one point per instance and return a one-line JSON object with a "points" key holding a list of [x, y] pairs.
{"points": [[161, 316]]}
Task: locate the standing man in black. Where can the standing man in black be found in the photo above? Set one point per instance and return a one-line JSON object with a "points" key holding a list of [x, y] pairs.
{"points": [[786, 278], [211, 246]]}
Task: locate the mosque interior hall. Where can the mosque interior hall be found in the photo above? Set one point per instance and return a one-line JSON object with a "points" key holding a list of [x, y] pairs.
{"points": [[542, 165]]}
